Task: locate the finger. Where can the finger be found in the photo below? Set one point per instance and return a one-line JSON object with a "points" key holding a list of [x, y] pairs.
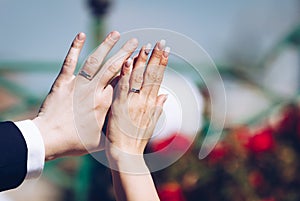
{"points": [[70, 62], [123, 85], [93, 62], [161, 99], [151, 75], [136, 77], [160, 72], [114, 64]]}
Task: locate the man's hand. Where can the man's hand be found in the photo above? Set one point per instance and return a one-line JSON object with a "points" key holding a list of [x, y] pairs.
{"points": [[72, 115]]}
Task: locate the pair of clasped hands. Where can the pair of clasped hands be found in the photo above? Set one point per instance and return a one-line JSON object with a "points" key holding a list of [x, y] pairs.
{"points": [[122, 88]]}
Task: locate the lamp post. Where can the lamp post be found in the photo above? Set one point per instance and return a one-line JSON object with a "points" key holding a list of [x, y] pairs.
{"points": [[99, 9]]}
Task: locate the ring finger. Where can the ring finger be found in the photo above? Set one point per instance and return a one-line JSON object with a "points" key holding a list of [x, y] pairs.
{"points": [[94, 61], [136, 78]]}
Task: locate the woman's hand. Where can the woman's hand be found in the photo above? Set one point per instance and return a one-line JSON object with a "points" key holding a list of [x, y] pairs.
{"points": [[136, 106], [72, 115], [134, 113]]}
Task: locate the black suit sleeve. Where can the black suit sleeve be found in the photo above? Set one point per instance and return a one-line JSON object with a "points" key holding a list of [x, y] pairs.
{"points": [[13, 156]]}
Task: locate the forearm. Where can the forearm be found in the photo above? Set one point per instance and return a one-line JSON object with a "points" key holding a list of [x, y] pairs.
{"points": [[134, 187], [133, 181]]}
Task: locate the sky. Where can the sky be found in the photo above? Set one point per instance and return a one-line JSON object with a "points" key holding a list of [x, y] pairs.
{"points": [[43, 30]]}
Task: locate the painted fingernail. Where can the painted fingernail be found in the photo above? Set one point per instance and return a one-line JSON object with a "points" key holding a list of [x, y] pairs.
{"points": [[128, 62], [148, 48], [166, 51], [81, 36], [115, 35], [161, 44]]}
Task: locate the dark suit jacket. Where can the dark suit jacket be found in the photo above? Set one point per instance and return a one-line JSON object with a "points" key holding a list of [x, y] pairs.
{"points": [[13, 156]]}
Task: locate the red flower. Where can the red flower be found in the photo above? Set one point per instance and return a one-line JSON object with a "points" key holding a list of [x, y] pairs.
{"points": [[171, 192], [174, 143], [218, 153], [262, 141]]}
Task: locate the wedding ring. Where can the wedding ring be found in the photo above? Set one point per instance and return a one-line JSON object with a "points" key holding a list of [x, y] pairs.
{"points": [[85, 75], [134, 90]]}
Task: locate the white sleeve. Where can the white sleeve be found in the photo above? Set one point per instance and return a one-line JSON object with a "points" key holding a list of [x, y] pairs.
{"points": [[35, 147]]}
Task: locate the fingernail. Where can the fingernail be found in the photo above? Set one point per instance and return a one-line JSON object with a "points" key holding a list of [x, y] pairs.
{"points": [[148, 48], [128, 62], [166, 51], [161, 44], [115, 35], [81, 36]]}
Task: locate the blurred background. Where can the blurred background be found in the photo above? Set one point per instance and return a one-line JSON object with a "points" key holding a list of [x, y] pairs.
{"points": [[256, 48]]}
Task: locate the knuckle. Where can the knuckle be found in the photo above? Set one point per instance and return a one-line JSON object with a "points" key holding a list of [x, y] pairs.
{"points": [[69, 61], [114, 68], [156, 54], [153, 76], [127, 48], [142, 58], [77, 44], [159, 78], [109, 41], [57, 85], [130, 46], [138, 78], [164, 62], [124, 87], [92, 61]]}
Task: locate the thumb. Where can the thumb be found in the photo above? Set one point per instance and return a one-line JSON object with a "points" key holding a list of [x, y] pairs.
{"points": [[161, 99]]}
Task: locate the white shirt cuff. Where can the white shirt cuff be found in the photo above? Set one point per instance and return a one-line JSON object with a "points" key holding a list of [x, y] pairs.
{"points": [[35, 147]]}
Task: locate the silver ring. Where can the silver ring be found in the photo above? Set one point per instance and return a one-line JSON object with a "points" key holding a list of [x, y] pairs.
{"points": [[85, 75], [134, 90]]}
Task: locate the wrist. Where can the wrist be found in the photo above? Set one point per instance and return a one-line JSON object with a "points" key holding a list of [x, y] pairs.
{"points": [[122, 161], [45, 129], [125, 142]]}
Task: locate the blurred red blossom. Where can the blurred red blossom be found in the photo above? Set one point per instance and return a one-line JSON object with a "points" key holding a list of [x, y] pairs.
{"points": [[171, 192], [219, 152], [176, 142], [262, 141], [256, 161]]}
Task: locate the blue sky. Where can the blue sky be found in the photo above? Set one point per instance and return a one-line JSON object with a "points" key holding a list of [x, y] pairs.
{"points": [[43, 30]]}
